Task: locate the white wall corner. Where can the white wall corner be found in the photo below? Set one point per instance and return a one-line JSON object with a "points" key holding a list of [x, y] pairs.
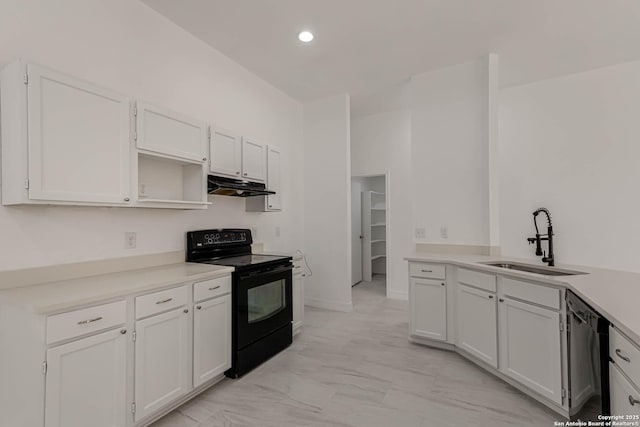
{"points": [[493, 93]]}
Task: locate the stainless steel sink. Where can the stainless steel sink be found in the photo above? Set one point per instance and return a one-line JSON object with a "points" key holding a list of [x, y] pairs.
{"points": [[547, 271]]}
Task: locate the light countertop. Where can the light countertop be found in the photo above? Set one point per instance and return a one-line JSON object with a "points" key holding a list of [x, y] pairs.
{"points": [[614, 294], [53, 297]]}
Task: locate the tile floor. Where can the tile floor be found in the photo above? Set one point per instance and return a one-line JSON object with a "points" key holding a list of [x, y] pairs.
{"points": [[359, 369]]}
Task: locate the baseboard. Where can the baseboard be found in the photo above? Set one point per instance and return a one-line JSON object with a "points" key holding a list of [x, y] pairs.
{"points": [[458, 249], [329, 305], [398, 295]]}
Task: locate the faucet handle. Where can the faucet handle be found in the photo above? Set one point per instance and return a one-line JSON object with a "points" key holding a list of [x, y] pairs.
{"points": [[531, 240]]}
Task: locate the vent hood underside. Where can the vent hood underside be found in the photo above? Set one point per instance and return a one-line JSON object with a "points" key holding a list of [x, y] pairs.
{"points": [[235, 187]]}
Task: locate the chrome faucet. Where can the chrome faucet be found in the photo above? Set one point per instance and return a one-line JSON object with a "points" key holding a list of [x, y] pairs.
{"points": [[540, 237]]}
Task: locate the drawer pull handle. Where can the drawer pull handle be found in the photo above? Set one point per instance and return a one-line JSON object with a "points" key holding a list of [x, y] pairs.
{"points": [[199, 307], [442, 283], [214, 288], [427, 271], [84, 322], [621, 356], [490, 296], [164, 301], [501, 300], [633, 401], [123, 331]]}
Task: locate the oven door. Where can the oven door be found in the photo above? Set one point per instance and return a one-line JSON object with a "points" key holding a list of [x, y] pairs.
{"points": [[263, 303]]}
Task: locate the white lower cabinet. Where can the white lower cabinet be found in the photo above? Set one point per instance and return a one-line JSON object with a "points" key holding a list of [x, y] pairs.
{"points": [[428, 308], [625, 398], [87, 382], [530, 347], [298, 302], [477, 323], [211, 339], [161, 360]]}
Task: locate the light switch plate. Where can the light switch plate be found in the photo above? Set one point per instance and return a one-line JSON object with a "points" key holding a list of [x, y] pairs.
{"points": [[420, 233]]}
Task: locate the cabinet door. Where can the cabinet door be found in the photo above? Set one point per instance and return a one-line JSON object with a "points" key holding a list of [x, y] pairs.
{"points": [[253, 160], [625, 398], [225, 153], [428, 307], [478, 324], [167, 132], [161, 360], [298, 302], [530, 347], [211, 339], [87, 382], [273, 179], [78, 140]]}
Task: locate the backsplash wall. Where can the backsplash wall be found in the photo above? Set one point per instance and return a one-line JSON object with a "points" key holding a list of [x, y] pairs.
{"points": [[128, 47]]}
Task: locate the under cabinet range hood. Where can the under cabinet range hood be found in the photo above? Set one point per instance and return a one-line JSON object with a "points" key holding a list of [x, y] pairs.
{"points": [[236, 187]]}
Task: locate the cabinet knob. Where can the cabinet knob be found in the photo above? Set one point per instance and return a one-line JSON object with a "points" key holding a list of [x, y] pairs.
{"points": [[199, 307], [245, 174], [501, 300], [237, 172], [490, 296], [123, 331], [633, 401], [126, 199], [442, 283], [270, 206], [185, 311], [204, 159]]}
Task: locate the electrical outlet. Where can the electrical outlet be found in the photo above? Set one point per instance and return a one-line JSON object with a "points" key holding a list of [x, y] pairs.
{"points": [[254, 233], [444, 232], [142, 189], [420, 233], [277, 231], [130, 240]]}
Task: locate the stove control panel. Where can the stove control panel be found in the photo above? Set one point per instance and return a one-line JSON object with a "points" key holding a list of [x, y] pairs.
{"points": [[207, 238]]}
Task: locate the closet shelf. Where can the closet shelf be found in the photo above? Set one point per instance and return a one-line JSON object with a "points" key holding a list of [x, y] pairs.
{"points": [[377, 257], [378, 241]]}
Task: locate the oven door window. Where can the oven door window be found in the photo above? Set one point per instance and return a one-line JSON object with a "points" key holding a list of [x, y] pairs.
{"points": [[266, 301]]}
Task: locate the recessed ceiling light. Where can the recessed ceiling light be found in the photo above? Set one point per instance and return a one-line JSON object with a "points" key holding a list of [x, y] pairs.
{"points": [[305, 36]]}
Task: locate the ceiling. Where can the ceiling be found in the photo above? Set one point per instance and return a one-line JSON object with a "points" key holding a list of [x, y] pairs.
{"points": [[364, 46]]}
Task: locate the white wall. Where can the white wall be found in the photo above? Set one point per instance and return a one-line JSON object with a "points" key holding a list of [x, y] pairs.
{"points": [[449, 131], [382, 143], [124, 45], [327, 202], [572, 144]]}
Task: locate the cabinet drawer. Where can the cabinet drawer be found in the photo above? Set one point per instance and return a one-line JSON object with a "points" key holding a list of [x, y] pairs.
{"points": [[85, 321], [211, 288], [530, 292], [625, 398], [157, 302], [431, 271], [625, 354], [476, 279]]}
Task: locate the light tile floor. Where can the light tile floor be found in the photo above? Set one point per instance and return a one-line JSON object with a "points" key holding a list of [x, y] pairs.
{"points": [[359, 369]]}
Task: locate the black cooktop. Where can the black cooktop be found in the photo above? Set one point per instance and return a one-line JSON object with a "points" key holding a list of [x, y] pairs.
{"points": [[230, 247], [248, 260]]}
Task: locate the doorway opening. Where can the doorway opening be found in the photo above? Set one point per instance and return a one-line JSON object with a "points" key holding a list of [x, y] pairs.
{"points": [[369, 225]]}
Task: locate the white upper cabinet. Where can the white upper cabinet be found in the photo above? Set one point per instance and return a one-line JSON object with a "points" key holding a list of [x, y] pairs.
{"points": [[253, 160], [225, 153], [64, 140], [274, 162], [166, 132]]}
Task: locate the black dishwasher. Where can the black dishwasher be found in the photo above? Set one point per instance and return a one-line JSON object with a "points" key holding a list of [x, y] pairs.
{"points": [[588, 336]]}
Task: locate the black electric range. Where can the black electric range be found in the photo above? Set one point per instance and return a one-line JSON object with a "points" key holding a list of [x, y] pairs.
{"points": [[261, 294]]}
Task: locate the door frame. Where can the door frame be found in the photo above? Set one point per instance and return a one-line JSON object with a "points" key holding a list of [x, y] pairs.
{"points": [[387, 187]]}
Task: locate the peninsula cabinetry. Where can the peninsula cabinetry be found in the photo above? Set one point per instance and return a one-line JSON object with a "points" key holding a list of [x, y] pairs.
{"points": [[624, 372], [477, 315], [428, 301]]}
